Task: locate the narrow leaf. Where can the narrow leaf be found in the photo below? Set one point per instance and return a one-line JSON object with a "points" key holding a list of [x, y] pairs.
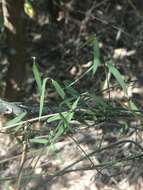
{"points": [[65, 121], [96, 48], [42, 97], [39, 141], [60, 131], [28, 9], [74, 105], [96, 63], [132, 105], [58, 89], [71, 113], [118, 77], [37, 77], [15, 120], [56, 117], [96, 55]]}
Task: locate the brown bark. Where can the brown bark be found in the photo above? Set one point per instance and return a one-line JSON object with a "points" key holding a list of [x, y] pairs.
{"points": [[15, 35]]}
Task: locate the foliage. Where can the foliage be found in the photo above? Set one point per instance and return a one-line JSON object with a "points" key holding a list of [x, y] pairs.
{"points": [[28, 9]]}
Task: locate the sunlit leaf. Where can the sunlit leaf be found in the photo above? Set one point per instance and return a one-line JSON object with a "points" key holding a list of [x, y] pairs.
{"points": [[42, 97], [15, 120], [96, 55], [65, 120], [58, 89], [28, 9], [118, 77], [96, 48], [71, 113], [39, 141], [56, 117], [96, 63], [133, 108], [37, 77], [60, 131]]}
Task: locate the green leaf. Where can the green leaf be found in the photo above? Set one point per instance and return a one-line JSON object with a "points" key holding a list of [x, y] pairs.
{"points": [[42, 97], [132, 106], [96, 63], [96, 55], [118, 77], [60, 131], [74, 105], [123, 128], [56, 117], [71, 113], [37, 77], [58, 89], [28, 9], [39, 141], [66, 120], [96, 48], [15, 120]]}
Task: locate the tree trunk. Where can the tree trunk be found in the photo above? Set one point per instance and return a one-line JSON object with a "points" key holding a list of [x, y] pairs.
{"points": [[14, 24]]}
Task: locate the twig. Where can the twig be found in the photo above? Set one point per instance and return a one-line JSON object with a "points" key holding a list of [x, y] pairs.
{"points": [[32, 120], [23, 159], [107, 164], [67, 169]]}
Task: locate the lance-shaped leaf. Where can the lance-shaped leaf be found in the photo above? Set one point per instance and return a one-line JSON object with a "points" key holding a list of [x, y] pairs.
{"points": [[42, 97], [118, 77], [96, 55], [15, 120], [58, 89], [37, 77]]}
